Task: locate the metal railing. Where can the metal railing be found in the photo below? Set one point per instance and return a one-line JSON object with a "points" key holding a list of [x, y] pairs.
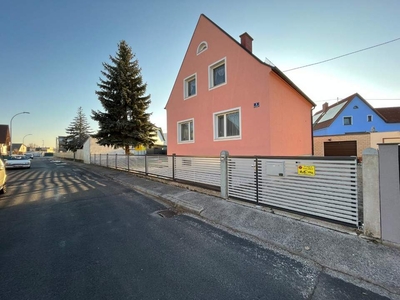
{"points": [[198, 170], [324, 187]]}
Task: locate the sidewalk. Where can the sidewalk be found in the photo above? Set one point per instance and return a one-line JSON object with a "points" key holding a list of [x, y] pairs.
{"points": [[337, 249]]}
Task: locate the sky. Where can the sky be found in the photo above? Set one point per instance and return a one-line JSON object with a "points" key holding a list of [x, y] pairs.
{"points": [[51, 52]]}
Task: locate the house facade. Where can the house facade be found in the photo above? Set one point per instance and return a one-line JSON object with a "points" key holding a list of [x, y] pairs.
{"points": [[349, 126], [18, 148], [225, 98], [4, 139]]}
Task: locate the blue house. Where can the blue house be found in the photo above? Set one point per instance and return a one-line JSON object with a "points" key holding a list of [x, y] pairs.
{"points": [[349, 126], [354, 115]]}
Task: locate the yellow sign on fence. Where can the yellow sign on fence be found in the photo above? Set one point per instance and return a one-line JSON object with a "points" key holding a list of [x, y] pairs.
{"points": [[306, 170], [140, 148]]}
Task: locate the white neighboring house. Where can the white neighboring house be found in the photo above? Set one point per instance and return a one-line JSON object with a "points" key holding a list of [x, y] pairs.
{"points": [[91, 147], [18, 148]]}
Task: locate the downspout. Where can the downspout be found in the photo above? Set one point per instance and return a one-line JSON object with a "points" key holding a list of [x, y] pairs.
{"points": [[312, 132]]}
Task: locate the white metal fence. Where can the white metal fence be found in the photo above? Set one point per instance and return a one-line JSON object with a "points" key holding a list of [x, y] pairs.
{"points": [[323, 187], [318, 186], [198, 170]]}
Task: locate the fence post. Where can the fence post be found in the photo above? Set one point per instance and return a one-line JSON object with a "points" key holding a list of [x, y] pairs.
{"points": [[128, 161], [371, 199], [256, 162], [173, 166], [224, 174], [145, 165], [99, 159]]}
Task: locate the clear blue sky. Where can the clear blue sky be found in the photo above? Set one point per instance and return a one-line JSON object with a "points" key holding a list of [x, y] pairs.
{"points": [[51, 52]]}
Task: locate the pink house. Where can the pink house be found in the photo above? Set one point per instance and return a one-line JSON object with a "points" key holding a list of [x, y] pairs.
{"points": [[225, 98]]}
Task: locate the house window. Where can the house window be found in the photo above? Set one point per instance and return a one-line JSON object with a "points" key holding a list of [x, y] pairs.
{"points": [[369, 118], [347, 120], [185, 131], [202, 47], [227, 124], [190, 86], [217, 73]]}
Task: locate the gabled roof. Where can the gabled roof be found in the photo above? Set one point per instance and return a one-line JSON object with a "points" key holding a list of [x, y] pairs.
{"points": [[323, 119], [273, 68], [390, 114], [3, 133], [17, 145]]}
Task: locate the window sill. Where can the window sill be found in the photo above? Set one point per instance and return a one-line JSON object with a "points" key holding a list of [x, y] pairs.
{"points": [[216, 86], [185, 142], [233, 138], [189, 97]]}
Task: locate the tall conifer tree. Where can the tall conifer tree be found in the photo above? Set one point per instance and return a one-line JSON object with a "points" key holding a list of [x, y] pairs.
{"points": [[122, 94], [77, 132]]}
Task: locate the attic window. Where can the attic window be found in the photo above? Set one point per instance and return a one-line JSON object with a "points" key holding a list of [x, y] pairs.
{"points": [[202, 47], [355, 107]]}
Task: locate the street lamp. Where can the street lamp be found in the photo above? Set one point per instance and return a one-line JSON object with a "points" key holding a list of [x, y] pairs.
{"points": [[24, 112], [23, 139]]}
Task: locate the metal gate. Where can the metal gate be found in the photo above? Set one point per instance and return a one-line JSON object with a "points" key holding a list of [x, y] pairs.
{"points": [[316, 186], [389, 184]]}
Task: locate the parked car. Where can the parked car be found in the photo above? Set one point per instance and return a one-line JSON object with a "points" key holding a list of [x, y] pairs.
{"points": [[29, 155], [3, 177], [17, 161]]}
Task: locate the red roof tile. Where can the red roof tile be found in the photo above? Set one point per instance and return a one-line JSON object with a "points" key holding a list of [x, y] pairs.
{"points": [[391, 114]]}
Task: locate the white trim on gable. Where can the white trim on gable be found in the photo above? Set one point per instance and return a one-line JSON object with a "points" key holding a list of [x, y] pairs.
{"points": [[203, 46]]}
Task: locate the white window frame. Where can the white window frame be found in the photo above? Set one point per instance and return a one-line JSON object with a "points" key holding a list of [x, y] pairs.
{"points": [[372, 118], [200, 48], [186, 86], [215, 124], [211, 68], [351, 120], [179, 123]]}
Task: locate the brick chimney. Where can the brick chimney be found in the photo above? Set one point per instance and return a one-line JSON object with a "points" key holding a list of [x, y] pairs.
{"points": [[247, 42], [325, 107]]}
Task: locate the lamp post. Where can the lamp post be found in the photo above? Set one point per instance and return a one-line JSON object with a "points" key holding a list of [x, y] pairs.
{"points": [[23, 139], [24, 112]]}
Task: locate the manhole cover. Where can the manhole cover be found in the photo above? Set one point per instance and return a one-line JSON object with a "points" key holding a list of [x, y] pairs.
{"points": [[166, 213]]}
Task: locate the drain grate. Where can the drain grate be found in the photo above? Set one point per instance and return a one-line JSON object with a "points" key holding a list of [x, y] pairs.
{"points": [[166, 213]]}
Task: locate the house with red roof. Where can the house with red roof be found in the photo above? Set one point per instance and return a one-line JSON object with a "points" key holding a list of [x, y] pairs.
{"points": [[225, 98], [347, 127]]}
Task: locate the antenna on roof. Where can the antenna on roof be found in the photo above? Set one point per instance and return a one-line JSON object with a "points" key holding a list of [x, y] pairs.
{"points": [[267, 61]]}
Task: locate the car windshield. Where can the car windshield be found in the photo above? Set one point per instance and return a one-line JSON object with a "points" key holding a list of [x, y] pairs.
{"points": [[16, 157]]}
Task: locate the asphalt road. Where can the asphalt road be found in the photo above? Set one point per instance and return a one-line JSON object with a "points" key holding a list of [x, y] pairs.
{"points": [[69, 234]]}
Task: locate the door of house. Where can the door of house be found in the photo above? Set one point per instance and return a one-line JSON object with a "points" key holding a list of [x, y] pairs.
{"points": [[342, 148]]}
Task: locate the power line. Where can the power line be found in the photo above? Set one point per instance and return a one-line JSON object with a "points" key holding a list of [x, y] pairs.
{"points": [[340, 56]]}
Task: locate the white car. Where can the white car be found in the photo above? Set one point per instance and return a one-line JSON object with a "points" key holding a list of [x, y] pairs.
{"points": [[3, 177], [18, 161]]}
